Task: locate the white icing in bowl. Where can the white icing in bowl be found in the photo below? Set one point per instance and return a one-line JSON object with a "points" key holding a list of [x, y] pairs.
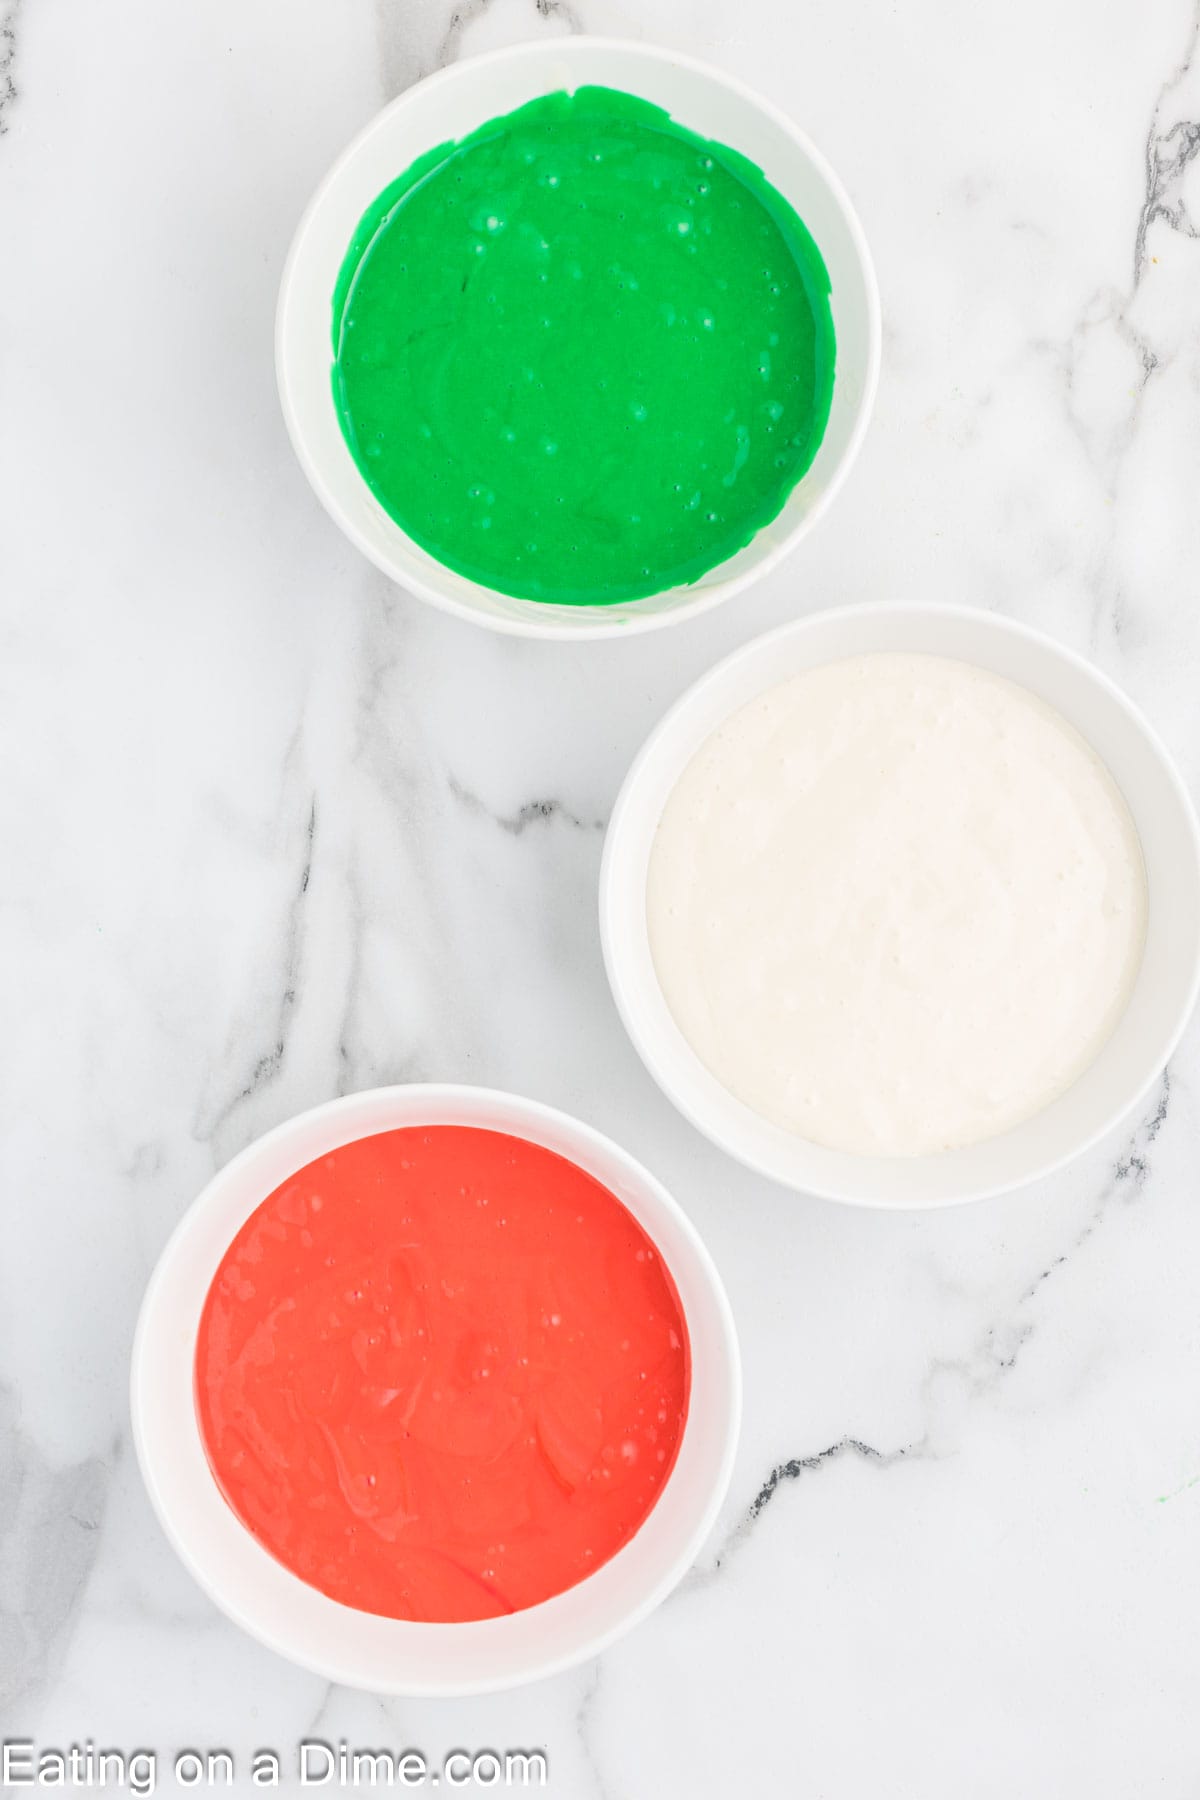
{"points": [[896, 904], [1120, 1077]]}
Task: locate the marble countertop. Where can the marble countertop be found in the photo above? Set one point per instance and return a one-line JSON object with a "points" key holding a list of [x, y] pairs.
{"points": [[273, 831]]}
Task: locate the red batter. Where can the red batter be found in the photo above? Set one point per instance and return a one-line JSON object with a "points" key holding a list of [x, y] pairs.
{"points": [[442, 1374]]}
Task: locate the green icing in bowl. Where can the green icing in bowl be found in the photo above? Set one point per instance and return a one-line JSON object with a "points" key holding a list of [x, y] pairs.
{"points": [[582, 355]]}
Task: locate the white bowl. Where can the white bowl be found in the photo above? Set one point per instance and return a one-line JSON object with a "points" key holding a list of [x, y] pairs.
{"points": [[456, 101], [394, 1656], [1165, 991]]}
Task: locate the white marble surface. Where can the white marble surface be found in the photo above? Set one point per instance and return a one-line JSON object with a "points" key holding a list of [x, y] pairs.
{"points": [[273, 831]]}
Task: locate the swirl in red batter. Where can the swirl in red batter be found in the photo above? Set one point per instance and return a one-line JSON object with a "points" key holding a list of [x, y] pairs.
{"points": [[442, 1374]]}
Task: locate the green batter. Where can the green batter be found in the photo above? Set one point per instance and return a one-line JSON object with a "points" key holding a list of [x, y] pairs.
{"points": [[582, 355]]}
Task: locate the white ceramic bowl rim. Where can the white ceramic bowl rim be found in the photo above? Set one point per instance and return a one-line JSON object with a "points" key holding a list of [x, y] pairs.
{"points": [[392, 1655], [350, 186], [1119, 1079]]}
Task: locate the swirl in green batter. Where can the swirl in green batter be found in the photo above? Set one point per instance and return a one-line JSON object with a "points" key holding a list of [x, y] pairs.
{"points": [[583, 355]]}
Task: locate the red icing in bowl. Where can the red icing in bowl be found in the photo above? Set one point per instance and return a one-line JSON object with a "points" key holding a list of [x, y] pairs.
{"points": [[442, 1374]]}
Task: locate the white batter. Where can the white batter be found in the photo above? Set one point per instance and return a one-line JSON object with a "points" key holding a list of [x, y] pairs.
{"points": [[896, 904]]}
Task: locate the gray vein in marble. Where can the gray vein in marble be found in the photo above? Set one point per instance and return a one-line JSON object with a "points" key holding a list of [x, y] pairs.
{"points": [[560, 9], [391, 763], [1001, 1344], [1171, 144], [1168, 156], [468, 13], [48, 1544], [1104, 440], [356, 1069], [1133, 1167], [995, 1354], [583, 1725], [312, 1731], [347, 1061], [797, 1466], [534, 812], [146, 1161], [270, 1061], [8, 58], [405, 55], [1107, 432], [793, 1468], [1128, 1178], [408, 54], [1169, 150], [462, 17]]}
